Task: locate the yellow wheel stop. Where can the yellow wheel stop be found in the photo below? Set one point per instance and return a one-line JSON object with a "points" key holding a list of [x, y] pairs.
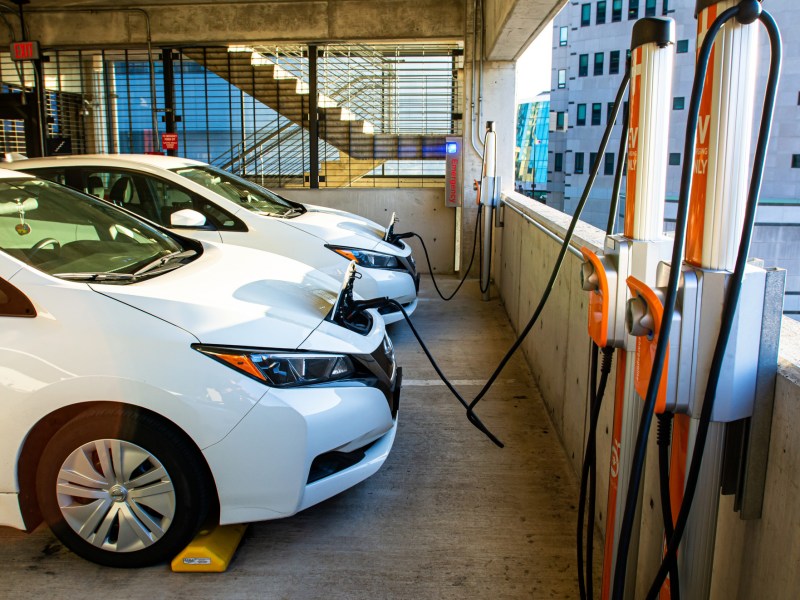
{"points": [[211, 551]]}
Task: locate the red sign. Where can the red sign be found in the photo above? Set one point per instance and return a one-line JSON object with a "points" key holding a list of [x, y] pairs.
{"points": [[25, 50], [169, 141]]}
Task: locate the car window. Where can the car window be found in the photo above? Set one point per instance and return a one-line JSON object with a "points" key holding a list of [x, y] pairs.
{"points": [[170, 197], [123, 188], [244, 193], [58, 230]]}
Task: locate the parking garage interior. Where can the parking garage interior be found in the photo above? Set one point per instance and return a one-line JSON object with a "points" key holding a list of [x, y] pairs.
{"points": [[355, 105]]}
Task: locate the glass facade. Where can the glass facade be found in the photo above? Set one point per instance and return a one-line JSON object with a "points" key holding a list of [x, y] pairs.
{"points": [[530, 168]]}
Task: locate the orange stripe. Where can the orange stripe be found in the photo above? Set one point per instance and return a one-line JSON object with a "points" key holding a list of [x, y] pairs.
{"points": [[697, 203], [613, 479], [677, 479], [633, 141]]}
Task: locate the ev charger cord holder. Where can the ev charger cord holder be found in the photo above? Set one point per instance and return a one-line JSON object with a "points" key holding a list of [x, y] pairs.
{"points": [[747, 12]]}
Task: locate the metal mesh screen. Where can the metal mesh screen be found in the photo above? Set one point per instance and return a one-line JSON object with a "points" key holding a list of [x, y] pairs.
{"points": [[383, 110]]}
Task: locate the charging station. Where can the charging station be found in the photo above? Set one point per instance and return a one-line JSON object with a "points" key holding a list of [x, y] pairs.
{"points": [[687, 304]]}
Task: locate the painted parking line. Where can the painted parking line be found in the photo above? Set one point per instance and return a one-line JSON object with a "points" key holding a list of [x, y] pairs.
{"points": [[464, 382]]}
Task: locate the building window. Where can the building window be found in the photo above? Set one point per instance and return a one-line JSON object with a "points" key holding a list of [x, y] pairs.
{"points": [[613, 62], [578, 163], [560, 121], [598, 63], [608, 166], [609, 111], [682, 47], [796, 161], [562, 79], [678, 103], [592, 159], [665, 8], [558, 165], [562, 36], [674, 158], [600, 13], [586, 15], [581, 120], [633, 9], [649, 8], [616, 11], [597, 110], [583, 65]]}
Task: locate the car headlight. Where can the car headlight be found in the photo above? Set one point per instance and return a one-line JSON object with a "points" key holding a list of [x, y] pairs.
{"points": [[283, 369], [367, 258]]}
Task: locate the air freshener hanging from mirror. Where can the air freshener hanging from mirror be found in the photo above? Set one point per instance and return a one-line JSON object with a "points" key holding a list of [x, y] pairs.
{"points": [[22, 228]]}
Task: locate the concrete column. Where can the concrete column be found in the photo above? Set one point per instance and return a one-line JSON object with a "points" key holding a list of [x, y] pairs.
{"points": [[497, 105]]}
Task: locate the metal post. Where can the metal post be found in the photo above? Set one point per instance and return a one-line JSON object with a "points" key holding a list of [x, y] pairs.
{"points": [[313, 131], [169, 94]]}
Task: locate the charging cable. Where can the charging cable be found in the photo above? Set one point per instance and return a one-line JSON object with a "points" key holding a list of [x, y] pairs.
{"points": [[564, 247], [589, 472], [470, 406]]}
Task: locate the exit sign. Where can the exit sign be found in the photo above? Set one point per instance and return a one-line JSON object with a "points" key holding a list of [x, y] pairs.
{"points": [[25, 51]]}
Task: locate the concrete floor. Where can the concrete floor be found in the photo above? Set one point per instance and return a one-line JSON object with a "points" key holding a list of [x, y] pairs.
{"points": [[448, 516]]}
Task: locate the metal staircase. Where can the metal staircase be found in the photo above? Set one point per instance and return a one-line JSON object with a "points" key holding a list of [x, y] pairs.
{"points": [[356, 112]]}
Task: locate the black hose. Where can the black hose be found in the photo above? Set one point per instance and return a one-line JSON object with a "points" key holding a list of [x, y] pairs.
{"points": [[471, 416], [562, 254], [590, 449], [480, 258], [664, 436], [732, 293], [640, 448], [622, 162], [471, 258]]}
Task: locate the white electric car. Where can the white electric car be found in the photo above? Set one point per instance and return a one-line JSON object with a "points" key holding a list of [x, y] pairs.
{"points": [[232, 210], [150, 383]]}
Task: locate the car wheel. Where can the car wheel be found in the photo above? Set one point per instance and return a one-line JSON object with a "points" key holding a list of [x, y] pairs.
{"points": [[122, 488]]}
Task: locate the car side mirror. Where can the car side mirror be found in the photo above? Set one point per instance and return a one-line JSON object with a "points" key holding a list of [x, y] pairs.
{"points": [[187, 218]]}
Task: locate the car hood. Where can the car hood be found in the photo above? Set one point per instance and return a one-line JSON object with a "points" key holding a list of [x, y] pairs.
{"points": [[340, 228], [236, 296]]}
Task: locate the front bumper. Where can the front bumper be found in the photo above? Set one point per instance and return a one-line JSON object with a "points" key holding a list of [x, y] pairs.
{"points": [[300, 446]]}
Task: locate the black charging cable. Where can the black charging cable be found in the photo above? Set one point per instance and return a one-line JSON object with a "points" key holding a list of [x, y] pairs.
{"points": [[663, 439], [749, 12], [471, 416], [564, 246], [475, 244], [589, 472], [470, 407]]}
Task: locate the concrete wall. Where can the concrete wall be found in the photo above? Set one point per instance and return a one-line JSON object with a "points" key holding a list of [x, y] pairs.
{"points": [[753, 559], [420, 209]]}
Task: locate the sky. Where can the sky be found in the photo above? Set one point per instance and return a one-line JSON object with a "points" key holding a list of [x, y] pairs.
{"points": [[533, 67]]}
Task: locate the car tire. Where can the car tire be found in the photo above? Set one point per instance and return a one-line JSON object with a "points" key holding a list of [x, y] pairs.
{"points": [[122, 487]]}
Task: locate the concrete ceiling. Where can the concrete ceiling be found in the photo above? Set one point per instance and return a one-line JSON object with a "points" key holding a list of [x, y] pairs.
{"points": [[511, 25]]}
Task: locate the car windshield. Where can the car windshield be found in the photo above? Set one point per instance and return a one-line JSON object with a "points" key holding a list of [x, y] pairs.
{"points": [[242, 192], [74, 236]]}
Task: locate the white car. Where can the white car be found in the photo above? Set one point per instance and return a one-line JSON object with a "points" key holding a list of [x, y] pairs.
{"points": [[233, 210], [150, 383]]}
